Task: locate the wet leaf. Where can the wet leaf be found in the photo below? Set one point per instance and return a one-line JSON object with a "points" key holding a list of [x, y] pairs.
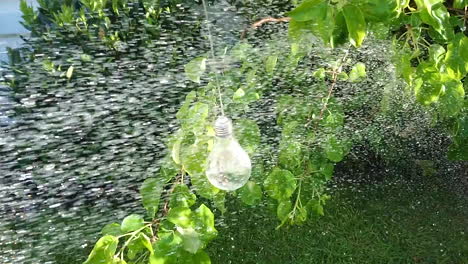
{"points": [[195, 69], [280, 184], [250, 193], [305, 11], [283, 210], [112, 229], [355, 23], [150, 192], [204, 223], [190, 239], [180, 216], [131, 223], [358, 72], [247, 133], [182, 196], [103, 251], [334, 150]]}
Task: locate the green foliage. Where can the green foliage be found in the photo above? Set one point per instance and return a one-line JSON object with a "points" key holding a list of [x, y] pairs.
{"points": [[430, 54], [103, 251], [151, 191]]}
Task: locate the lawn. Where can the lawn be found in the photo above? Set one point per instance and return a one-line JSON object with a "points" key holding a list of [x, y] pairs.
{"points": [[385, 223], [379, 223]]}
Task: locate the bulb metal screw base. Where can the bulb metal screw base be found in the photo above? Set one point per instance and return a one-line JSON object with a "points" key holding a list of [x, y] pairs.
{"points": [[223, 127]]}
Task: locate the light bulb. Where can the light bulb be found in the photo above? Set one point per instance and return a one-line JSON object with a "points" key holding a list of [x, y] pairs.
{"points": [[229, 165]]}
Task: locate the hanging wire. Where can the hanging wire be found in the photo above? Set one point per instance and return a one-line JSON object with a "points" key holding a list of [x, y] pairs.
{"points": [[213, 56]]}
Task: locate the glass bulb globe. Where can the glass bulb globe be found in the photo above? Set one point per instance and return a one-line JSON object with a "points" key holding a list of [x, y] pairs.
{"points": [[229, 165]]}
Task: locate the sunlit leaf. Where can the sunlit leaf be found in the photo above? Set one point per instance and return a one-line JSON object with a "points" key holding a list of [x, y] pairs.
{"points": [[182, 196], [180, 216], [195, 69], [190, 239], [355, 23], [358, 72], [131, 223], [150, 192], [103, 251], [305, 11], [452, 98], [204, 223], [456, 58], [112, 229]]}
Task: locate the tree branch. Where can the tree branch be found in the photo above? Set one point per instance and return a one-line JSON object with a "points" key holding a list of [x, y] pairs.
{"points": [[260, 22]]}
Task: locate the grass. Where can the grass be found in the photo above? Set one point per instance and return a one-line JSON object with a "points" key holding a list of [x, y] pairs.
{"points": [[371, 224], [385, 223]]}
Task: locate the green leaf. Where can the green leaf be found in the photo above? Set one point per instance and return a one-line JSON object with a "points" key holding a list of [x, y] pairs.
{"points": [[69, 72], [290, 154], [146, 242], [436, 53], [204, 223], [103, 251], [436, 15], [380, 10], [300, 215], [238, 94], [428, 85], [182, 196], [316, 207], [168, 169], [280, 184], [203, 187], [193, 159], [201, 258], [334, 120], [190, 239], [334, 149], [247, 133], [319, 74], [167, 244], [219, 201], [150, 192], [270, 63], [452, 98], [112, 229], [326, 169], [283, 210], [195, 69], [180, 216], [458, 149], [461, 4], [241, 51], [355, 23], [305, 11], [456, 58], [250, 193], [131, 223], [358, 72]]}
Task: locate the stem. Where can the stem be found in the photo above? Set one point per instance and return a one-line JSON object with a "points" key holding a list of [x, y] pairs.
{"points": [[132, 235], [332, 87], [260, 22]]}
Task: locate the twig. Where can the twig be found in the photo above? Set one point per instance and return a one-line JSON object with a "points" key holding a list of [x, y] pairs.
{"points": [[263, 21], [332, 86]]}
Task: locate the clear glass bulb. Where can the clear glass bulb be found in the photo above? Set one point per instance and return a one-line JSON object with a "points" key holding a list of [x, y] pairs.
{"points": [[229, 165]]}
